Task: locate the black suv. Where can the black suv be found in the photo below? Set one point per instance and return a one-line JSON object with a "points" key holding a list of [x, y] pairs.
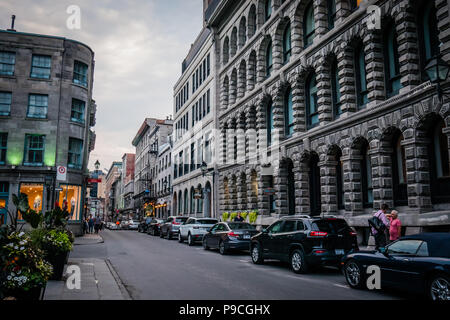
{"points": [[304, 242]]}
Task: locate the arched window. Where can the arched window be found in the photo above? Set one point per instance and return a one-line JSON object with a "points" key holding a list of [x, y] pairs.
{"points": [[312, 108], [391, 61], [287, 47], [200, 200], [269, 122], [331, 13], [439, 163], [340, 180], [269, 63], [361, 82], [314, 185], [268, 9], [226, 51], [288, 113], [399, 171], [192, 200], [308, 25], [235, 147], [335, 89], [180, 202], [366, 177], [429, 34]]}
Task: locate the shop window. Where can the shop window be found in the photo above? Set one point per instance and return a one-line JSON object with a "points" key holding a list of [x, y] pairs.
{"points": [[35, 193], [200, 200], [399, 172], [314, 186], [312, 107], [70, 197]]}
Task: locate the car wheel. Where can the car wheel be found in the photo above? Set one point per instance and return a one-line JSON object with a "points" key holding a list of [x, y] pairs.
{"points": [[439, 288], [353, 274], [222, 249], [298, 263], [190, 240], [161, 235], [168, 235], [180, 239], [257, 257], [205, 245]]}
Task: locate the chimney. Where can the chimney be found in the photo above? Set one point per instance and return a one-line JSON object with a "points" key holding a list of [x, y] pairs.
{"points": [[13, 18]]}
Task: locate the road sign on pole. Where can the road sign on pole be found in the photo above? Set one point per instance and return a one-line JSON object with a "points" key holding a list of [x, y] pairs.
{"points": [[61, 173]]}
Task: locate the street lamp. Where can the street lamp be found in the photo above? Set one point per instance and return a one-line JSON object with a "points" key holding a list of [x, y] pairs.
{"points": [[437, 71], [97, 165]]}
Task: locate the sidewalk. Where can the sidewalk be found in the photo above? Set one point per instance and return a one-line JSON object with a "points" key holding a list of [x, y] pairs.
{"points": [[99, 280]]}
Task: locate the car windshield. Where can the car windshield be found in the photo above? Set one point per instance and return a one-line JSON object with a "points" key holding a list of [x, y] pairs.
{"points": [[181, 219], [206, 221], [331, 226], [237, 226]]}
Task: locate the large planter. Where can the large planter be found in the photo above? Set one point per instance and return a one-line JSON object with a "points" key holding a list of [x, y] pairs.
{"points": [[33, 294], [57, 261]]}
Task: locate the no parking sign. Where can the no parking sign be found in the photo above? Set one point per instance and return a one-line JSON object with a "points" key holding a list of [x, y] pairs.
{"points": [[61, 173]]}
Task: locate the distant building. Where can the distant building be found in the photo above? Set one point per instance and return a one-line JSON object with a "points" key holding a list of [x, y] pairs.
{"points": [[152, 133], [111, 191], [46, 112], [126, 207], [163, 203]]}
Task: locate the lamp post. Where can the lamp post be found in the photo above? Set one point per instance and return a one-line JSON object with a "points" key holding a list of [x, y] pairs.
{"points": [[209, 172], [437, 71]]}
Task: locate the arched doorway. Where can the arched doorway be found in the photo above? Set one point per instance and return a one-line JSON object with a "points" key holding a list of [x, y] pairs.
{"points": [[314, 185], [208, 200]]}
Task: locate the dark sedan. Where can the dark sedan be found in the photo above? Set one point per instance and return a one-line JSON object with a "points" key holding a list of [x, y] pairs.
{"points": [[227, 236], [154, 227], [417, 264]]}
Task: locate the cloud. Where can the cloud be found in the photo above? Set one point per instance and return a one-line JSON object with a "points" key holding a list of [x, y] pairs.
{"points": [[139, 46]]}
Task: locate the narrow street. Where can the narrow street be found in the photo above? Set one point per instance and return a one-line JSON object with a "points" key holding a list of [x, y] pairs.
{"points": [[155, 268]]}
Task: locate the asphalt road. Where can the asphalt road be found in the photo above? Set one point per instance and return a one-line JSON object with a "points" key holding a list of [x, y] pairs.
{"points": [[155, 268]]}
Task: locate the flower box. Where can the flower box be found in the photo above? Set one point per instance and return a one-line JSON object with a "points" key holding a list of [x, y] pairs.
{"points": [[32, 294]]}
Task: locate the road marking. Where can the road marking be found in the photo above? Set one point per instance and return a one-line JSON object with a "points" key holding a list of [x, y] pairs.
{"points": [[341, 286]]}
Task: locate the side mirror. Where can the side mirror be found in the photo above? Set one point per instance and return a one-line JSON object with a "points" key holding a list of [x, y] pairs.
{"points": [[264, 230], [383, 250]]}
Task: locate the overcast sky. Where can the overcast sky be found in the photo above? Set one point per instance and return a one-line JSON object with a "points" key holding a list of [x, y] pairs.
{"points": [[139, 46]]}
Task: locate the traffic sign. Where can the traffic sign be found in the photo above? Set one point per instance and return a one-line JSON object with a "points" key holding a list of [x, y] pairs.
{"points": [[61, 173]]}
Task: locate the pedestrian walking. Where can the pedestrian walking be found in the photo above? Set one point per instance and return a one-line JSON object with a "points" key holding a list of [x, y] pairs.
{"points": [[91, 224], [379, 223], [85, 226], [97, 223], [238, 218], [395, 228]]}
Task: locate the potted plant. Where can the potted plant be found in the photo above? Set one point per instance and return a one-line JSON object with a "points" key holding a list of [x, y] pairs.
{"points": [[57, 245], [24, 272]]}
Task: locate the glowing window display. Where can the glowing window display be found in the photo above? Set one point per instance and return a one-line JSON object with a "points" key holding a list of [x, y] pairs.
{"points": [[71, 196], [35, 193]]}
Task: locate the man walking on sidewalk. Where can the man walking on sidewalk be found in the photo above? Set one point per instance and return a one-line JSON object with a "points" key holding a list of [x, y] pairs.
{"points": [[380, 234]]}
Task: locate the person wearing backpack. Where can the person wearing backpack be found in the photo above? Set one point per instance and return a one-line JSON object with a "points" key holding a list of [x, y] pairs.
{"points": [[379, 224]]}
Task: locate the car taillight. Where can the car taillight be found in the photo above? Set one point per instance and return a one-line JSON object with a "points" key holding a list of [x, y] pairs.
{"points": [[157, 224], [175, 223], [320, 251], [232, 234], [353, 233], [318, 234]]}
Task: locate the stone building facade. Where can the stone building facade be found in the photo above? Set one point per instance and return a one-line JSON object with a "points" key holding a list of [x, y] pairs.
{"points": [[163, 204], [195, 120], [111, 196], [46, 112], [322, 113]]}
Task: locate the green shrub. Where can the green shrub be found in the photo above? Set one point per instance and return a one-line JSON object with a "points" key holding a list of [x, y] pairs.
{"points": [[225, 216], [252, 216], [56, 241], [233, 215], [244, 215]]}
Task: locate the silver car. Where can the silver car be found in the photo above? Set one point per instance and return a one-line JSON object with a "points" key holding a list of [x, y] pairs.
{"points": [[194, 229]]}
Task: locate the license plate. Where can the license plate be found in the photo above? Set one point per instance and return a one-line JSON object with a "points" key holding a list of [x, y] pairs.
{"points": [[339, 251], [246, 236]]}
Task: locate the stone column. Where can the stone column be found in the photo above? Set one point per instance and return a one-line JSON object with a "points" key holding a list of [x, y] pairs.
{"points": [[242, 192], [418, 171], [250, 124], [381, 160], [328, 185], [231, 132], [233, 87], [405, 23], [352, 182], [252, 197], [233, 194], [320, 17], [373, 51], [346, 72], [278, 119], [261, 129], [251, 72], [301, 173], [240, 134], [263, 199], [324, 93], [443, 22], [298, 106]]}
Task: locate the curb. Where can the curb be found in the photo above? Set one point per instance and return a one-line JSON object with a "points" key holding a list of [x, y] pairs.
{"points": [[101, 240], [126, 295]]}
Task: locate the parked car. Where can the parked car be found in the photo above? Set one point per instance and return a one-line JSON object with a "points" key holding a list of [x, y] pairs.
{"points": [[171, 226], [304, 242], [418, 263], [133, 225], [227, 236], [194, 229], [114, 226], [143, 225], [154, 228], [124, 224]]}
